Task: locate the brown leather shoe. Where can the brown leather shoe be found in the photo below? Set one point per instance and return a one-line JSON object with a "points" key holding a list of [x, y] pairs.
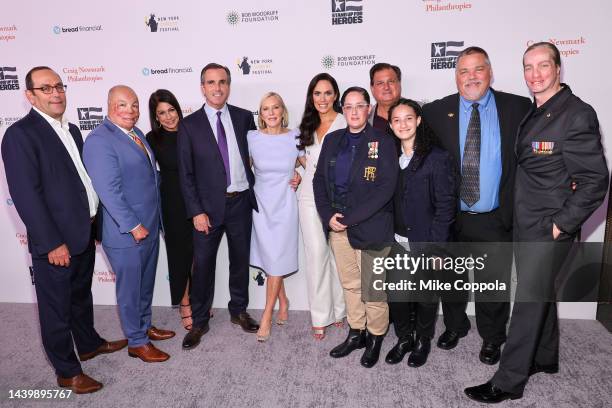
{"points": [[106, 348], [79, 384], [159, 334], [245, 321], [148, 353]]}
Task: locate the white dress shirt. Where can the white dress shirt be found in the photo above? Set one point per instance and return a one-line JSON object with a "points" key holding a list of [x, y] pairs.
{"points": [[62, 130], [238, 176]]}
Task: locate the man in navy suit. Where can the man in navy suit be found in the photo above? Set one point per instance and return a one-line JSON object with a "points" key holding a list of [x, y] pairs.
{"points": [[57, 203], [217, 184], [121, 165]]}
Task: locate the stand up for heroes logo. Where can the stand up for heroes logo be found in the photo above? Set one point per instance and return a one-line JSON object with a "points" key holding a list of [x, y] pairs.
{"points": [[8, 79], [444, 54], [347, 12]]}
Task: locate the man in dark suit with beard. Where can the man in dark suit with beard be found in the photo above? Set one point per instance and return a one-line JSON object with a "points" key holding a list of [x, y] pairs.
{"points": [[478, 127], [561, 180]]}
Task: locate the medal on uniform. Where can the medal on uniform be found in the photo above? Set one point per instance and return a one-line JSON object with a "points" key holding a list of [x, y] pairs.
{"points": [[369, 173], [372, 150], [542, 148]]}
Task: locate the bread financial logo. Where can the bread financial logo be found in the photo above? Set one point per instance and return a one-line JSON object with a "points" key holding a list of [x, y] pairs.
{"points": [[89, 118], [166, 71], [8, 79], [76, 29], [161, 24], [444, 54], [347, 12]]}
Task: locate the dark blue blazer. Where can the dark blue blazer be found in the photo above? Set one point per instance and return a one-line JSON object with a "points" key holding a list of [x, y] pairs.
{"points": [[369, 205], [45, 186], [425, 201], [201, 169]]}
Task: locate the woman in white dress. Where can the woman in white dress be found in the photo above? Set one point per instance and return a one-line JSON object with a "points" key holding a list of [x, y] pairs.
{"points": [[321, 116], [274, 237]]}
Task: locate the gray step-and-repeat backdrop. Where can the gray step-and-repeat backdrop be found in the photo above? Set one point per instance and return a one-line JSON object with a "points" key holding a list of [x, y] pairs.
{"points": [[161, 44]]}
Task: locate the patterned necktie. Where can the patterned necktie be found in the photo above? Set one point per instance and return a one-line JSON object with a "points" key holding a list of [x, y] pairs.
{"points": [[470, 166], [139, 143], [222, 142]]}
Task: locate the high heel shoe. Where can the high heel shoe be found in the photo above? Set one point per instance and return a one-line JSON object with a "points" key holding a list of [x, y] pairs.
{"points": [[261, 337], [187, 326], [318, 332], [280, 321]]}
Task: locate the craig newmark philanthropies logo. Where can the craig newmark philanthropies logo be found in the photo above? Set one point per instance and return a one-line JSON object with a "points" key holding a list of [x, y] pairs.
{"points": [[347, 12], [444, 54]]}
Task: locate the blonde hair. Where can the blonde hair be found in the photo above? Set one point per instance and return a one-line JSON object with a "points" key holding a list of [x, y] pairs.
{"points": [[285, 119]]}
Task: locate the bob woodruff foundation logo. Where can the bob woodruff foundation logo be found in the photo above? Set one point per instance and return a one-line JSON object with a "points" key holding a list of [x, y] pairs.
{"points": [[234, 17], [329, 61]]}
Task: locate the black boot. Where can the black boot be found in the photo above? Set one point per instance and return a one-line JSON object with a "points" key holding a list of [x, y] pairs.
{"points": [[356, 339], [372, 351], [403, 346], [418, 357]]}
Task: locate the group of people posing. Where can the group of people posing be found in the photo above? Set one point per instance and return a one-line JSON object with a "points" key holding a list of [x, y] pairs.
{"points": [[477, 166]]}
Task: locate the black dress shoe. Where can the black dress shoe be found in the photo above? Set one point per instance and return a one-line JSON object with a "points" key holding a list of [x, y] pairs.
{"points": [[421, 350], [372, 352], [192, 339], [489, 353], [356, 339], [548, 369], [401, 348], [449, 339], [489, 393], [245, 321]]}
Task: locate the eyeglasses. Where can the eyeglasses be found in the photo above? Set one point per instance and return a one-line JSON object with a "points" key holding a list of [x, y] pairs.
{"points": [[47, 89], [360, 107]]}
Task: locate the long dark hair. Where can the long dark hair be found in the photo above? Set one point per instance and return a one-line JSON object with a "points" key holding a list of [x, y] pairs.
{"points": [[161, 95], [311, 119], [425, 137]]}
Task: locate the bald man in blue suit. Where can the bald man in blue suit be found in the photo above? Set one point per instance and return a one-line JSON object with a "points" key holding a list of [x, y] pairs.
{"points": [[121, 166]]}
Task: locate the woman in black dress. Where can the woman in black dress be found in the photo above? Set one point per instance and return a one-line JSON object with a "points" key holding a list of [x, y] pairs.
{"points": [[165, 114]]}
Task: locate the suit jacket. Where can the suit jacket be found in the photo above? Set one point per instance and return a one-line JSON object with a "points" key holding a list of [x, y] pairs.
{"points": [[425, 200], [442, 116], [45, 186], [369, 206], [545, 173], [201, 169], [126, 182]]}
